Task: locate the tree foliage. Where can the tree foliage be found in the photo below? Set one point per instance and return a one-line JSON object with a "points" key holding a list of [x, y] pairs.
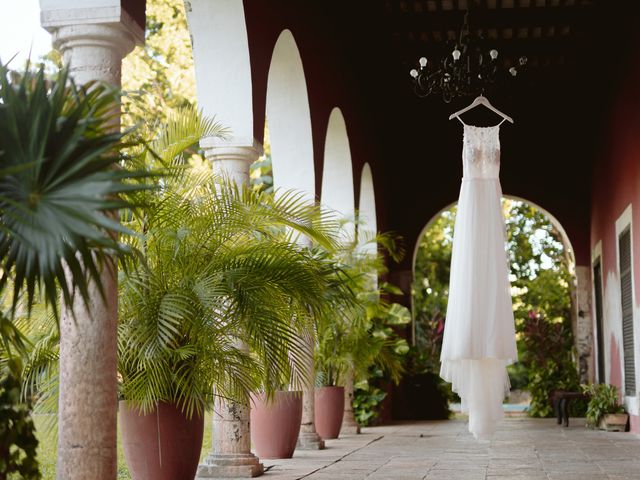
{"points": [[18, 442], [160, 73]]}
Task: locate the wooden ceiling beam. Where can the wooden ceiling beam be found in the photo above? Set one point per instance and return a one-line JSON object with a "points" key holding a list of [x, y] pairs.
{"points": [[495, 18]]}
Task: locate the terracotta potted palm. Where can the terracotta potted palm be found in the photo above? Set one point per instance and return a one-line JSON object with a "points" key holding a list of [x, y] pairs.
{"points": [[332, 361], [361, 336], [215, 265], [275, 423]]}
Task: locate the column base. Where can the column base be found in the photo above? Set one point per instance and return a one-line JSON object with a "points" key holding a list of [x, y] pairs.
{"points": [[230, 466], [310, 441], [350, 428]]}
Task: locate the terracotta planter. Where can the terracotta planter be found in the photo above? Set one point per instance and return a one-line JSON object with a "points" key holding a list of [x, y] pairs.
{"points": [[275, 425], [329, 410], [163, 445], [614, 422]]}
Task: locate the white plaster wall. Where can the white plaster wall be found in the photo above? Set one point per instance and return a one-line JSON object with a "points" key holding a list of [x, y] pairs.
{"points": [[289, 119], [222, 63], [612, 315], [596, 255], [337, 174]]}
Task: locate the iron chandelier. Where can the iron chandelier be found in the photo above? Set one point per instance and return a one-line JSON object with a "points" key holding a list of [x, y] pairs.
{"points": [[471, 69]]}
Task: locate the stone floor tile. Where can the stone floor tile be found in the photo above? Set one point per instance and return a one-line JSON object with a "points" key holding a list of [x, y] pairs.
{"points": [[521, 449]]}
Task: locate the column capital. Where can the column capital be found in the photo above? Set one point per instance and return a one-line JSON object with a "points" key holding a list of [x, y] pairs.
{"points": [[93, 41], [232, 157], [113, 36], [235, 148]]}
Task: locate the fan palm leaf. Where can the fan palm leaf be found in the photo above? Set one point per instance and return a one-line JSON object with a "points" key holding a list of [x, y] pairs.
{"points": [[62, 181]]}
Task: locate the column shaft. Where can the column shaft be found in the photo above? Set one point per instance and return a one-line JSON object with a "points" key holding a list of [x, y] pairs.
{"points": [[349, 424], [88, 333], [309, 438], [231, 455]]}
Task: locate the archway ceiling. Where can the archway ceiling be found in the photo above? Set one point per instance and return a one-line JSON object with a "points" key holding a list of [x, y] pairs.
{"points": [[357, 55]]}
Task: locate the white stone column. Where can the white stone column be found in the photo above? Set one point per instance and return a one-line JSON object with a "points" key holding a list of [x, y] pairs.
{"points": [[93, 46], [231, 455], [309, 438]]}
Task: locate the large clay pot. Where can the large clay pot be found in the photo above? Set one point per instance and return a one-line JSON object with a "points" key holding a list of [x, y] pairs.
{"points": [[275, 424], [162, 445], [329, 409]]}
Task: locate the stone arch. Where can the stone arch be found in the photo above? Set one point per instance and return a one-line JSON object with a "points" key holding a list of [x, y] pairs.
{"points": [[219, 37], [580, 315], [337, 175], [554, 221], [289, 119]]}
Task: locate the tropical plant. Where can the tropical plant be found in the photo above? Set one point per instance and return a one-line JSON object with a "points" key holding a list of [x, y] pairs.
{"points": [[218, 268], [603, 399], [158, 75], [549, 355], [351, 340], [58, 185], [62, 182], [368, 397]]}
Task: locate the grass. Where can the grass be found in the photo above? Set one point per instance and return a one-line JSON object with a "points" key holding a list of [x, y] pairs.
{"points": [[47, 449]]}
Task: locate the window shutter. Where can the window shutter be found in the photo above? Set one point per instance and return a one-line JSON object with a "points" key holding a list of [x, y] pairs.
{"points": [[624, 246]]}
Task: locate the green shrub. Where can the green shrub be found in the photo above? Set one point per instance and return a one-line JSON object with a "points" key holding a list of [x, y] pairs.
{"points": [[603, 399], [368, 397], [549, 355], [18, 441]]}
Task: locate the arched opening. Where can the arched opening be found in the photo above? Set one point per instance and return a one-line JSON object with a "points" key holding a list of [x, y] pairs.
{"points": [[337, 174], [289, 119], [367, 219], [219, 37], [542, 275]]}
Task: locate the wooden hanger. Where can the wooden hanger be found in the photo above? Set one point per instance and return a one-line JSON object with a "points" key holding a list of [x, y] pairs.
{"points": [[480, 100]]}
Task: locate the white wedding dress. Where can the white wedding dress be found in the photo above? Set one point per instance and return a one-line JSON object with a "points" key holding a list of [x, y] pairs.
{"points": [[479, 334]]}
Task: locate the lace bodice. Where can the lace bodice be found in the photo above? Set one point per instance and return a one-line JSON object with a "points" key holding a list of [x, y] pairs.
{"points": [[481, 152]]}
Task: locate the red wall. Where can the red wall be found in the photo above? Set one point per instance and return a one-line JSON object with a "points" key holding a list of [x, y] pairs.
{"points": [[616, 184]]}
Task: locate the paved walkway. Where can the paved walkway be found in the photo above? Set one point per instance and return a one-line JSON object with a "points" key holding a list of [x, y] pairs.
{"points": [[522, 448]]}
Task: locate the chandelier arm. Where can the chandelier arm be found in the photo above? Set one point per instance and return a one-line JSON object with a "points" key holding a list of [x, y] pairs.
{"points": [[470, 70]]}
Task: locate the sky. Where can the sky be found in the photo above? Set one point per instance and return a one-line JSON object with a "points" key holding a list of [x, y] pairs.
{"points": [[20, 31]]}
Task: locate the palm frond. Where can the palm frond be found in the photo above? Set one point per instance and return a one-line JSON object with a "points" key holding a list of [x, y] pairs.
{"points": [[61, 182]]}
